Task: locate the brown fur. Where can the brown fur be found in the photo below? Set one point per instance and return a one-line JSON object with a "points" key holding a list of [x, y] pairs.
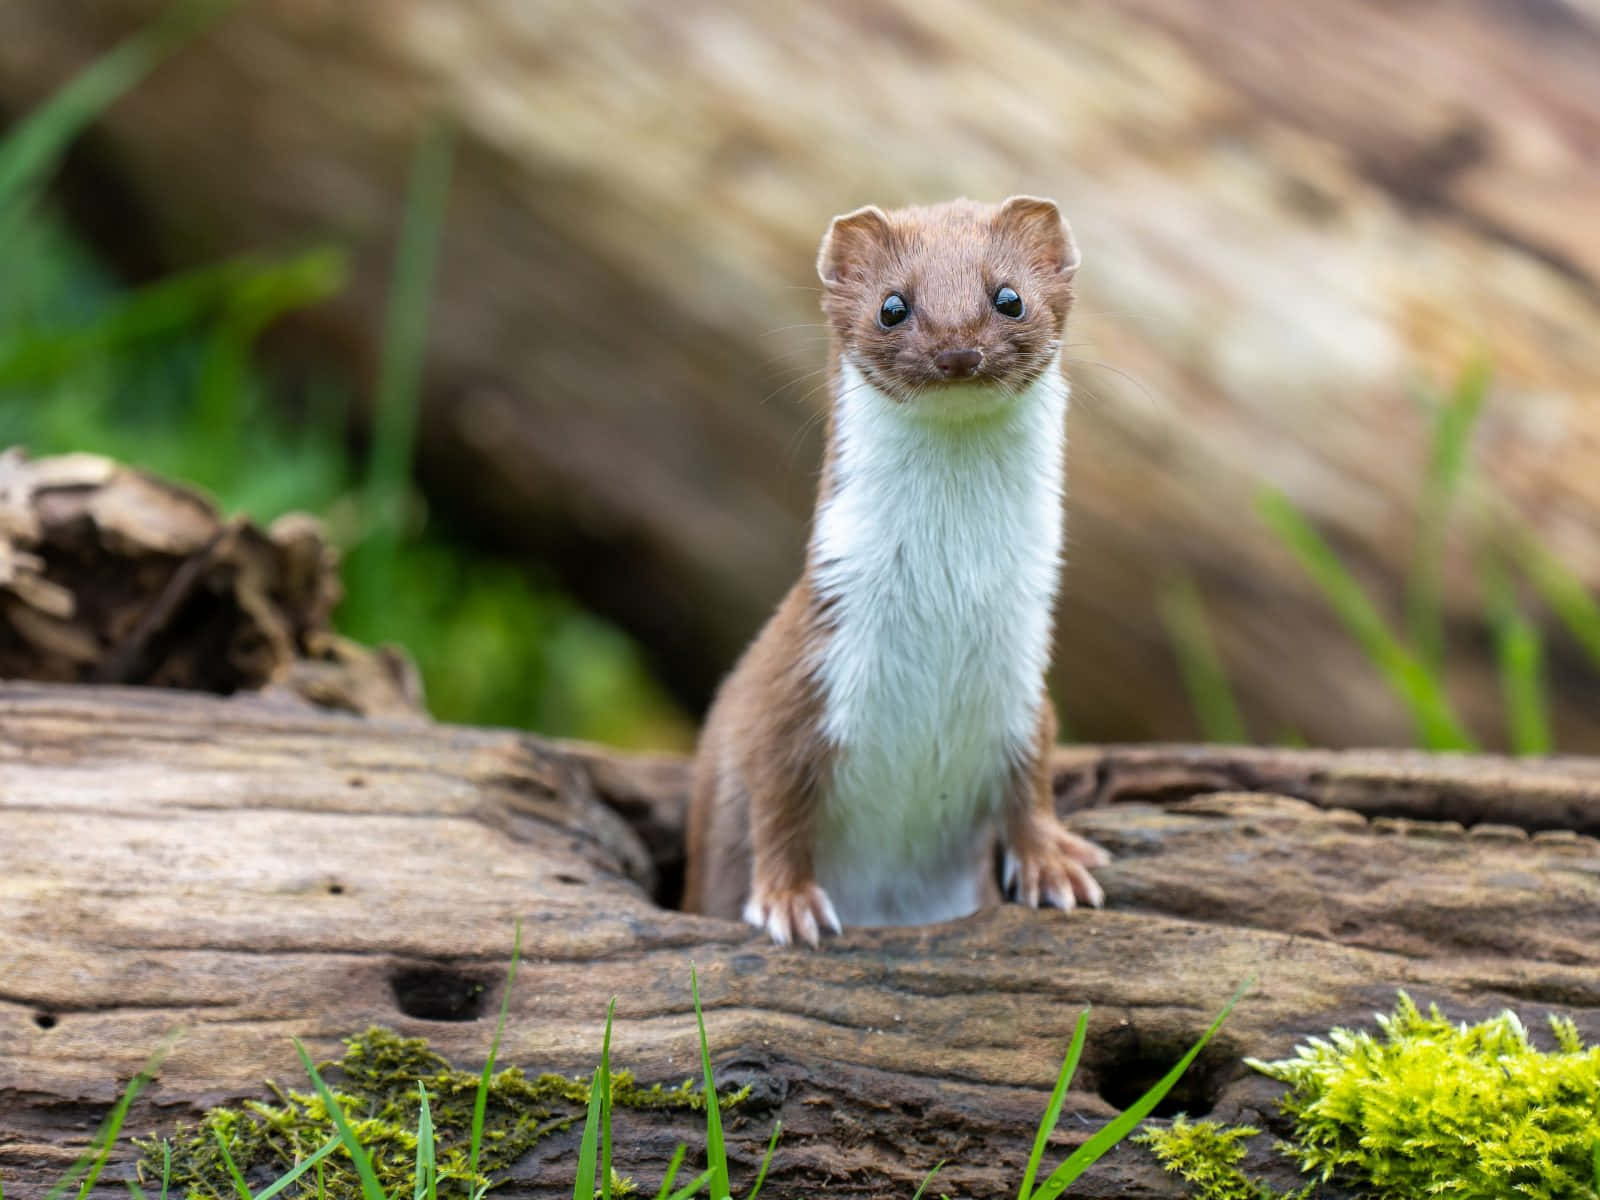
{"points": [[947, 262], [763, 764], [760, 768]]}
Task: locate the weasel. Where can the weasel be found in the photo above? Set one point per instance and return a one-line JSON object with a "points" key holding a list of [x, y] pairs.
{"points": [[890, 723]]}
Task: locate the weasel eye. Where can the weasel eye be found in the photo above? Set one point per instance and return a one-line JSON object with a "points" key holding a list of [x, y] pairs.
{"points": [[1007, 302], [893, 310]]}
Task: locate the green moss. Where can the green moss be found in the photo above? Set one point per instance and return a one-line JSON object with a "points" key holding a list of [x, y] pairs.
{"points": [[377, 1088], [1208, 1154], [1424, 1108]]}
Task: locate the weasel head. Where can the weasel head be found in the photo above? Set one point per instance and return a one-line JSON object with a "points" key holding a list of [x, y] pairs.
{"points": [[947, 306]]}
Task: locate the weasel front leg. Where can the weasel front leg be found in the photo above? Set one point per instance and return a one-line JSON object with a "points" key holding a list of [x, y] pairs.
{"points": [[1044, 861], [759, 773], [785, 898]]}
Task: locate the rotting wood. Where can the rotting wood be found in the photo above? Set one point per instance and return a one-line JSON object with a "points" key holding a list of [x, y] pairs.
{"points": [[109, 574], [253, 869]]}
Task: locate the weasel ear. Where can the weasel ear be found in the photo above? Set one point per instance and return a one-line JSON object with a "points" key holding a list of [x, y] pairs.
{"points": [[849, 239], [1042, 228]]}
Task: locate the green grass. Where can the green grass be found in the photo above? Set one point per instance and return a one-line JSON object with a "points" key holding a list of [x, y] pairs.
{"points": [[1448, 458], [85, 1173], [1519, 656], [1205, 679], [1407, 673], [164, 376], [32, 150], [1413, 661], [350, 1138]]}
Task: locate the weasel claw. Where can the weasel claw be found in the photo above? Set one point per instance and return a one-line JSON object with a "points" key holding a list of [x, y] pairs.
{"points": [[1052, 867], [788, 915]]}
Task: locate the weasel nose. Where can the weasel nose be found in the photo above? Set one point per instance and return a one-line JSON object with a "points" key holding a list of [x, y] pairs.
{"points": [[958, 364]]}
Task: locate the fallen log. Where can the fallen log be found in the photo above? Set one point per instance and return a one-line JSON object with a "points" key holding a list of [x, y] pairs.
{"points": [[252, 869]]}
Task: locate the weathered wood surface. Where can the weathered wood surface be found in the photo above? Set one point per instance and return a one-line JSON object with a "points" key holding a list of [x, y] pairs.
{"points": [[1290, 215], [111, 575], [253, 870]]}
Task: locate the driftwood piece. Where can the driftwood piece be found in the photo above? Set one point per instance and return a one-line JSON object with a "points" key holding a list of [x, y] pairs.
{"points": [[251, 870], [112, 575], [1290, 214]]}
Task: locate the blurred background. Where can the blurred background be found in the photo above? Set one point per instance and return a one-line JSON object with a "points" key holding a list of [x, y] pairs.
{"points": [[1335, 447]]}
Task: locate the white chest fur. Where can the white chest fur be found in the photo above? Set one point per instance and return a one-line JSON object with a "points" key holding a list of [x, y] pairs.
{"points": [[939, 551]]}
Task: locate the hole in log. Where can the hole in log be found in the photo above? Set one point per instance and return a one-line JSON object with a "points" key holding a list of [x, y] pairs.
{"points": [[1133, 1064], [562, 877], [45, 1020], [438, 994], [336, 889]]}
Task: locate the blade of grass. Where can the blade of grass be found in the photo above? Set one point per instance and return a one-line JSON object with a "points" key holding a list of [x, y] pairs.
{"points": [[166, 1167], [300, 1168], [371, 1189], [605, 1105], [690, 1189], [1200, 665], [400, 370], [1120, 1127], [665, 1189], [134, 1190], [480, 1102], [1447, 461], [1052, 1112], [1519, 650], [239, 1185], [588, 1147], [105, 1139], [30, 151], [766, 1160], [716, 1150], [926, 1180], [1438, 727], [426, 1183], [1563, 591]]}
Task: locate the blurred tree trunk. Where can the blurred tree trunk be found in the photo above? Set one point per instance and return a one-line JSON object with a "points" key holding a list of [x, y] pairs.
{"points": [[1290, 215]]}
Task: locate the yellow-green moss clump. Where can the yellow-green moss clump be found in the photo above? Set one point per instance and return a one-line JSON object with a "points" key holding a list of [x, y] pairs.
{"points": [[1429, 1108], [376, 1086]]}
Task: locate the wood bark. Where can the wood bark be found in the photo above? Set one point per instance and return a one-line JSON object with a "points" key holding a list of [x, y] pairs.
{"points": [[1291, 215], [112, 575], [252, 869]]}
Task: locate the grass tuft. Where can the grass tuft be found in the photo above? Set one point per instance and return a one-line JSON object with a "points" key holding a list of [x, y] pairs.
{"points": [[1114, 1131], [31, 151], [480, 1101], [597, 1123], [716, 1148], [399, 401], [1200, 664], [1447, 463], [94, 1159], [1438, 727], [1519, 654]]}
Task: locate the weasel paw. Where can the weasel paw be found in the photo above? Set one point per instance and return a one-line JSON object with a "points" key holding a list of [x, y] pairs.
{"points": [[790, 914], [1052, 867]]}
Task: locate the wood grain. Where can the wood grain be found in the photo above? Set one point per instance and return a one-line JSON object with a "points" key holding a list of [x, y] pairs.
{"points": [[251, 870]]}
